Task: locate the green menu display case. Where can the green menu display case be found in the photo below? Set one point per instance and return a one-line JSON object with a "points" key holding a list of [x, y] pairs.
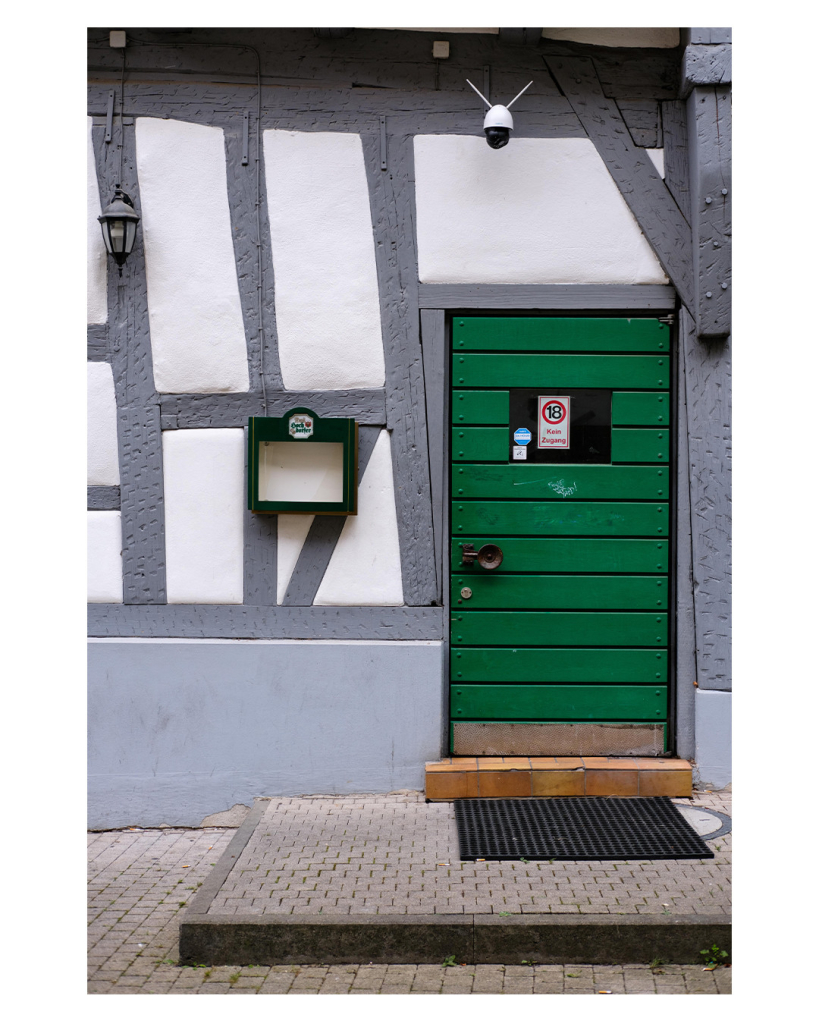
{"points": [[300, 464]]}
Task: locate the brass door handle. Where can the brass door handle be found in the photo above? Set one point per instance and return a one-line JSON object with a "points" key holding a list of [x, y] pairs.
{"points": [[489, 556]]}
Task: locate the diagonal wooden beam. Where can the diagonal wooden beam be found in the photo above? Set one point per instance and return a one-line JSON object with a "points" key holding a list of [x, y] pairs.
{"points": [[645, 192]]}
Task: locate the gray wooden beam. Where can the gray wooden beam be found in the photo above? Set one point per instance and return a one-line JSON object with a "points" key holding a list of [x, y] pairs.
{"points": [[705, 35], [97, 342], [708, 400], [392, 205], [705, 65], [139, 434], [709, 147], [547, 296], [641, 186], [183, 412], [433, 345], [236, 621], [251, 247], [322, 537], [103, 499], [382, 64], [520, 36], [261, 551], [260, 558], [686, 641], [675, 154], [142, 504], [642, 119]]}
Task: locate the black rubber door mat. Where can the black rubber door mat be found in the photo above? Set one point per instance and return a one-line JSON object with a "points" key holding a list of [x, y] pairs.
{"points": [[576, 828]]}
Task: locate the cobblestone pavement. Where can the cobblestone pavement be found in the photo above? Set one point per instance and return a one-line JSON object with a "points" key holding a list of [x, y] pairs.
{"points": [[140, 880], [396, 854]]}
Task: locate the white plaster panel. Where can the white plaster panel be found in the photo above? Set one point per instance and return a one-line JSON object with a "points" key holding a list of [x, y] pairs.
{"points": [[104, 557], [102, 456], [291, 533], [204, 508], [366, 566], [657, 157], [197, 332], [539, 211], [328, 316], [96, 256], [650, 37]]}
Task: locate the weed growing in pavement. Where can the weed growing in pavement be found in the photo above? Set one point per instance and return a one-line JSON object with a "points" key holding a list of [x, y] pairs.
{"points": [[234, 978], [657, 964], [713, 956], [450, 961], [182, 903]]}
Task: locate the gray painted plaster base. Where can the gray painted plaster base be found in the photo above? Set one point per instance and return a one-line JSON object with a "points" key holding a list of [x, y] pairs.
{"points": [[470, 938], [180, 730], [713, 733]]}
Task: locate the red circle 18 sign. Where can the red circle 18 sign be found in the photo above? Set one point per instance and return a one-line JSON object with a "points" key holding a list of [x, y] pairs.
{"points": [[553, 421], [553, 411]]}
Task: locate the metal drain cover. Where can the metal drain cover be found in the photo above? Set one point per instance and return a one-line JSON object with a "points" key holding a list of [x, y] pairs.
{"points": [[576, 828]]}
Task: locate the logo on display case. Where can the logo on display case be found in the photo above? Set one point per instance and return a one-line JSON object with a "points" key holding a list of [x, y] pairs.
{"points": [[300, 426]]}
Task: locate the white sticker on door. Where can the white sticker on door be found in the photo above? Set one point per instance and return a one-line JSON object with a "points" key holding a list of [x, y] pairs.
{"points": [[553, 421]]}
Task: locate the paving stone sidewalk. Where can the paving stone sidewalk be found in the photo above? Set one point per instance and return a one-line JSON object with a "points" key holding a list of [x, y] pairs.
{"points": [[396, 854], [140, 881]]}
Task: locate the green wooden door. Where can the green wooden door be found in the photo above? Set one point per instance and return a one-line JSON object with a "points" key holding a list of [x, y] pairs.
{"points": [[573, 626]]}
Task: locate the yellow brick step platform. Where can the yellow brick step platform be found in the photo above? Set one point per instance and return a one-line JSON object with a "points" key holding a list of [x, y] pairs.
{"points": [[457, 777]]}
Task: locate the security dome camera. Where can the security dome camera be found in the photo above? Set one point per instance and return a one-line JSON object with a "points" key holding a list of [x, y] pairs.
{"points": [[498, 121], [496, 125]]}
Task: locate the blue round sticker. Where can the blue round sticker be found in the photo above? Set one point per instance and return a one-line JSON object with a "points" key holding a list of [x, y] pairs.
{"points": [[523, 436]]}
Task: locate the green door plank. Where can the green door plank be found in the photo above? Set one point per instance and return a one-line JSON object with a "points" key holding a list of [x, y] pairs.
{"points": [[639, 409], [490, 590], [480, 443], [478, 369], [560, 334], [569, 518], [560, 483], [558, 665], [480, 407], [640, 445], [499, 703], [573, 554], [591, 629]]}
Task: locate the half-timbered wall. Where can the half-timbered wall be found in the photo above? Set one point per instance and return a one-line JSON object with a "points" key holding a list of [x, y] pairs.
{"points": [[311, 209]]}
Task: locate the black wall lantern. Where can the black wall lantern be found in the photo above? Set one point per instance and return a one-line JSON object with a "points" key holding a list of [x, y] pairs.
{"points": [[119, 223]]}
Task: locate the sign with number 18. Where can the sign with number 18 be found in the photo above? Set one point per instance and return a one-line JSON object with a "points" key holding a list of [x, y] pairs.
{"points": [[553, 421]]}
